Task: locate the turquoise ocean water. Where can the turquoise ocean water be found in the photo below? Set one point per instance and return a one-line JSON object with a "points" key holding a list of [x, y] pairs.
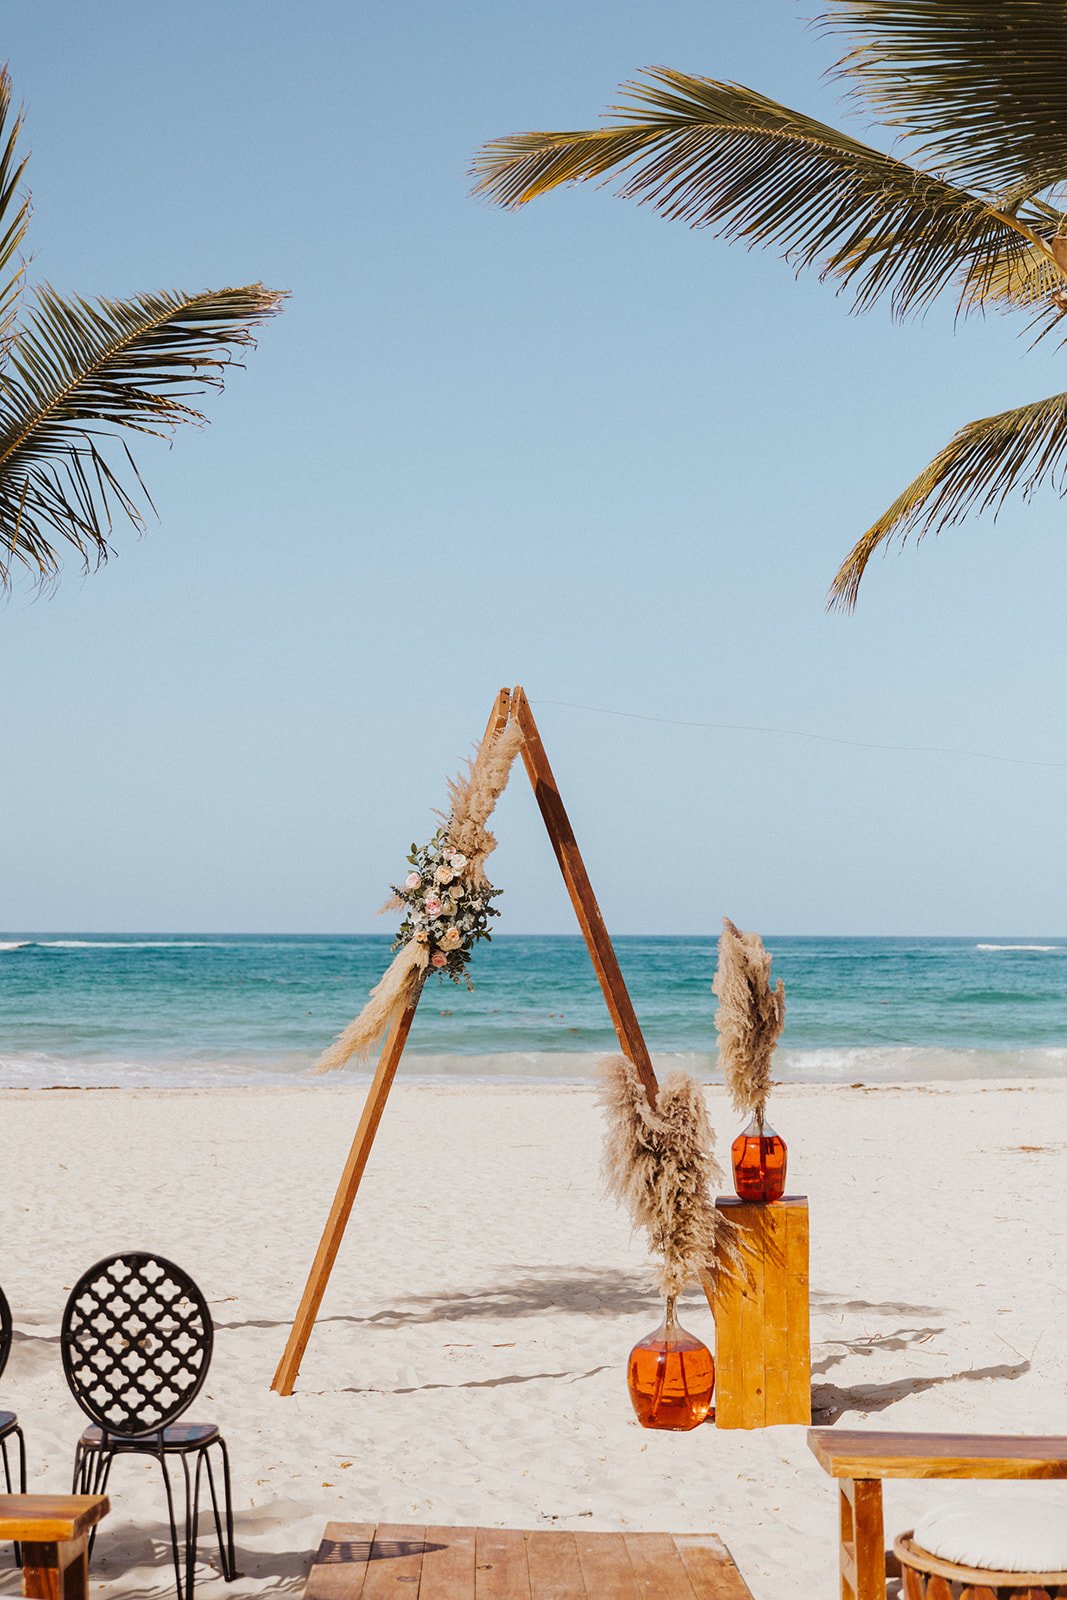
{"points": [[174, 1009]]}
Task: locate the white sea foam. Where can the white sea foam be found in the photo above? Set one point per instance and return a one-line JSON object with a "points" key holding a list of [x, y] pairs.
{"points": [[863, 1065], [14, 944], [126, 944], [1044, 947]]}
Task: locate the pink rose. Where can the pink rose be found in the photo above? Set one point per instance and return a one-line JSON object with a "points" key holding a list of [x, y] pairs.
{"points": [[438, 960], [412, 881], [432, 906]]}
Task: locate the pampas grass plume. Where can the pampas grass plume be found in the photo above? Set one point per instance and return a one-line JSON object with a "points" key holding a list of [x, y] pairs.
{"points": [[750, 1017], [660, 1166]]}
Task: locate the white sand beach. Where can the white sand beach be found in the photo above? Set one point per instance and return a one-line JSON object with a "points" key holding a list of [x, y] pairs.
{"points": [[469, 1365]]}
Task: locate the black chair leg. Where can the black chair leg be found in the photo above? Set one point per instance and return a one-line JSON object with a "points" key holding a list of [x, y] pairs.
{"points": [[96, 1470], [173, 1525], [192, 1517], [17, 1431], [227, 1557]]}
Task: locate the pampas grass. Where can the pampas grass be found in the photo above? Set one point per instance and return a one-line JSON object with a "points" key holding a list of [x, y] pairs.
{"points": [[660, 1166], [393, 991], [474, 794], [750, 1017]]}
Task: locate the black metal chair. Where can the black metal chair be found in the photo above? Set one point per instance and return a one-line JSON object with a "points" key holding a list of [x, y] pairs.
{"points": [[9, 1422], [136, 1341]]}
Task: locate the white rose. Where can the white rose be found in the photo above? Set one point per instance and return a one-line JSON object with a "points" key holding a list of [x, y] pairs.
{"points": [[444, 874], [456, 891], [459, 861]]}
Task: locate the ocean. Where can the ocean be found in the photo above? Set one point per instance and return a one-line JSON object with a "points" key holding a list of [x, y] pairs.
{"points": [[170, 1010]]}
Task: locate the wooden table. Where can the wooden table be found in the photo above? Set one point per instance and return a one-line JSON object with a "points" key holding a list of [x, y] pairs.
{"points": [[53, 1530], [361, 1561], [862, 1459]]}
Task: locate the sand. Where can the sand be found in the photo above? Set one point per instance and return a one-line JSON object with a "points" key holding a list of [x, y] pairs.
{"points": [[469, 1364]]}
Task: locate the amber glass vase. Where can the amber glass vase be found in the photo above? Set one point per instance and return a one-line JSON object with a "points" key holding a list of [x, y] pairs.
{"points": [[672, 1377], [759, 1160]]}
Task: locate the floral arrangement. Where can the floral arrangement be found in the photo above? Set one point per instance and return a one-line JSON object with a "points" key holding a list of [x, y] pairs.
{"points": [[446, 899], [446, 910]]}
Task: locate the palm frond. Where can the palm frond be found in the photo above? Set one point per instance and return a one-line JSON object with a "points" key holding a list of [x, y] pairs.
{"points": [[14, 210], [717, 154], [980, 84], [81, 372], [979, 467]]}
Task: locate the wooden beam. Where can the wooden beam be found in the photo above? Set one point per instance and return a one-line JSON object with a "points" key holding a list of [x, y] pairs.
{"points": [[332, 1234], [584, 901]]}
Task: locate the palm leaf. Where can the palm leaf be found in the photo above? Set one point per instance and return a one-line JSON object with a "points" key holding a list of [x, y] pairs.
{"points": [[80, 372], [717, 154], [981, 84], [978, 468], [14, 210]]}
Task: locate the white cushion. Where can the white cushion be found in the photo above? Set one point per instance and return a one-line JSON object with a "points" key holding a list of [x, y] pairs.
{"points": [[1019, 1532]]}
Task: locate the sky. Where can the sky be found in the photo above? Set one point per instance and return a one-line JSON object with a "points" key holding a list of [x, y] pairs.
{"points": [[580, 448]]}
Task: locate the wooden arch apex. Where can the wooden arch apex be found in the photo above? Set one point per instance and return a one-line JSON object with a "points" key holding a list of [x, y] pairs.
{"points": [[509, 705]]}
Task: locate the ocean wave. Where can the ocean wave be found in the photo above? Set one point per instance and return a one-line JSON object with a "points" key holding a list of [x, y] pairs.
{"points": [[864, 1064], [125, 944], [1043, 947], [14, 944]]}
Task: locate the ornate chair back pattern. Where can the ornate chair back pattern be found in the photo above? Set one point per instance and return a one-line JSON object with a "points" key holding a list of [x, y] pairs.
{"points": [[5, 1331], [136, 1342]]}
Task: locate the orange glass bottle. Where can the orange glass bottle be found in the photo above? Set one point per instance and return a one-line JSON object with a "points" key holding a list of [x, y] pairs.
{"points": [[672, 1377], [759, 1161]]}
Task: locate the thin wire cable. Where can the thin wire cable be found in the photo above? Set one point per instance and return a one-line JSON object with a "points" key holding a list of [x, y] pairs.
{"points": [[796, 733]]}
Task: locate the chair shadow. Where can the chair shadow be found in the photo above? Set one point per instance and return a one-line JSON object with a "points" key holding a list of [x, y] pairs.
{"points": [[829, 1402]]}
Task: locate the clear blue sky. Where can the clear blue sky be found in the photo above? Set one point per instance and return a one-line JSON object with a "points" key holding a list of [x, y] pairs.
{"points": [[581, 448]]}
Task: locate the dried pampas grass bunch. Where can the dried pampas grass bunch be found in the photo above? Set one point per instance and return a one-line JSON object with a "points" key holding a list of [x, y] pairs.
{"points": [[438, 938], [750, 1017], [474, 795], [660, 1166]]}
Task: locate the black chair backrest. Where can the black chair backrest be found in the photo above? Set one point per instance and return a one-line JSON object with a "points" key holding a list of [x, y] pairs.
{"points": [[136, 1342], [5, 1331]]}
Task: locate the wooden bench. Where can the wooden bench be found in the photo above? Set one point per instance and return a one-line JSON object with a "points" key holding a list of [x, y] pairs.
{"points": [[362, 1561], [53, 1530], [861, 1460]]}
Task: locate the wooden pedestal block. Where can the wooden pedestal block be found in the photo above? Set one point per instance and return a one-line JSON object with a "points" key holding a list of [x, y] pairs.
{"points": [[762, 1317]]}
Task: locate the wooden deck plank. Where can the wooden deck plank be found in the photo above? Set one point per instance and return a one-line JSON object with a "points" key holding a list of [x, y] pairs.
{"points": [[555, 1571], [395, 1557], [501, 1568], [855, 1454], [658, 1567], [448, 1572], [607, 1571], [710, 1567], [358, 1561], [339, 1565]]}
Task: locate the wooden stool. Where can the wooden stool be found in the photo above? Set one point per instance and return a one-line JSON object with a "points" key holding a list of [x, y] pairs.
{"points": [[763, 1317], [927, 1577], [53, 1530], [861, 1460]]}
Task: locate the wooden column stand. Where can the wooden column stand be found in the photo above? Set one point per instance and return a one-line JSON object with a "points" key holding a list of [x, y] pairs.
{"points": [[762, 1317], [53, 1530], [508, 704]]}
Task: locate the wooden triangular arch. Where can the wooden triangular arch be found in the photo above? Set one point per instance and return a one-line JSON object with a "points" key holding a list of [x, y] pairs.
{"points": [[511, 705]]}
